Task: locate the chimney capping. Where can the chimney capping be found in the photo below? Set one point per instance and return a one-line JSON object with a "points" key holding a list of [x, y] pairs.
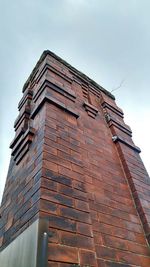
{"points": [[79, 73]]}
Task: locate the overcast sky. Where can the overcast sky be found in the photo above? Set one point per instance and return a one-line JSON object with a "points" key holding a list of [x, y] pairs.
{"points": [[108, 40]]}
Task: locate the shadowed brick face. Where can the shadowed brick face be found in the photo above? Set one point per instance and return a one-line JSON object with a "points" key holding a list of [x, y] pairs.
{"points": [[75, 166]]}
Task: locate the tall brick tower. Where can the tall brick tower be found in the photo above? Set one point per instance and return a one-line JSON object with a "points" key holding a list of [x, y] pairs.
{"points": [[77, 192]]}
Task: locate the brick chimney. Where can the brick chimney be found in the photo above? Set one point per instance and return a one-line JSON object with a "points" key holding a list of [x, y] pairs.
{"points": [[77, 192]]}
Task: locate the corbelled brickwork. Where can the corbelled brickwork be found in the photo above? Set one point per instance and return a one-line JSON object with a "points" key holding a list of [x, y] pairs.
{"points": [[75, 168]]}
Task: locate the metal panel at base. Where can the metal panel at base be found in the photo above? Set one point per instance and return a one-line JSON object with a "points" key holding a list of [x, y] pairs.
{"points": [[22, 252]]}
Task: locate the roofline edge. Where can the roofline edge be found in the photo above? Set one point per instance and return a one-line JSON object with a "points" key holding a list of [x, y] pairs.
{"points": [[48, 52]]}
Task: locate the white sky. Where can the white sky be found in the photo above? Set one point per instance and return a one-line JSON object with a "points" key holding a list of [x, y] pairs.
{"points": [[108, 40]]}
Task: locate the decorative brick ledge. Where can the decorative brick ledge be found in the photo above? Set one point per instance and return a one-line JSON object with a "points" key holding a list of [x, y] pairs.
{"points": [[116, 139], [48, 67], [115, 110], [54, 101], [27, 97], [17, 137], [23, 117], [63, 91], [20, 144], [91, 110], [121, 126]]}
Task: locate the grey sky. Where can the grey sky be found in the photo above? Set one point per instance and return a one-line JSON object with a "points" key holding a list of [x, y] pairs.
{"points": [[108, 40]]}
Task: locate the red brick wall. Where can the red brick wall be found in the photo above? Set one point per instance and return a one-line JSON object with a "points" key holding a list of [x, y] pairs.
{"points": [[93, 191]]}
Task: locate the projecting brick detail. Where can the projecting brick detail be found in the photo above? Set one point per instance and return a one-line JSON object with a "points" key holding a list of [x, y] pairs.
{"points": [[82, 174]]}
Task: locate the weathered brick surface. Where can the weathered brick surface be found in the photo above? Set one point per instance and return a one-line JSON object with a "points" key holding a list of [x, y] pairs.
{"points": [[91, 188]]}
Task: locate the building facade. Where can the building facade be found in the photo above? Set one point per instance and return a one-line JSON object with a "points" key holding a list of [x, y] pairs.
{"points": [[77, 192]]}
